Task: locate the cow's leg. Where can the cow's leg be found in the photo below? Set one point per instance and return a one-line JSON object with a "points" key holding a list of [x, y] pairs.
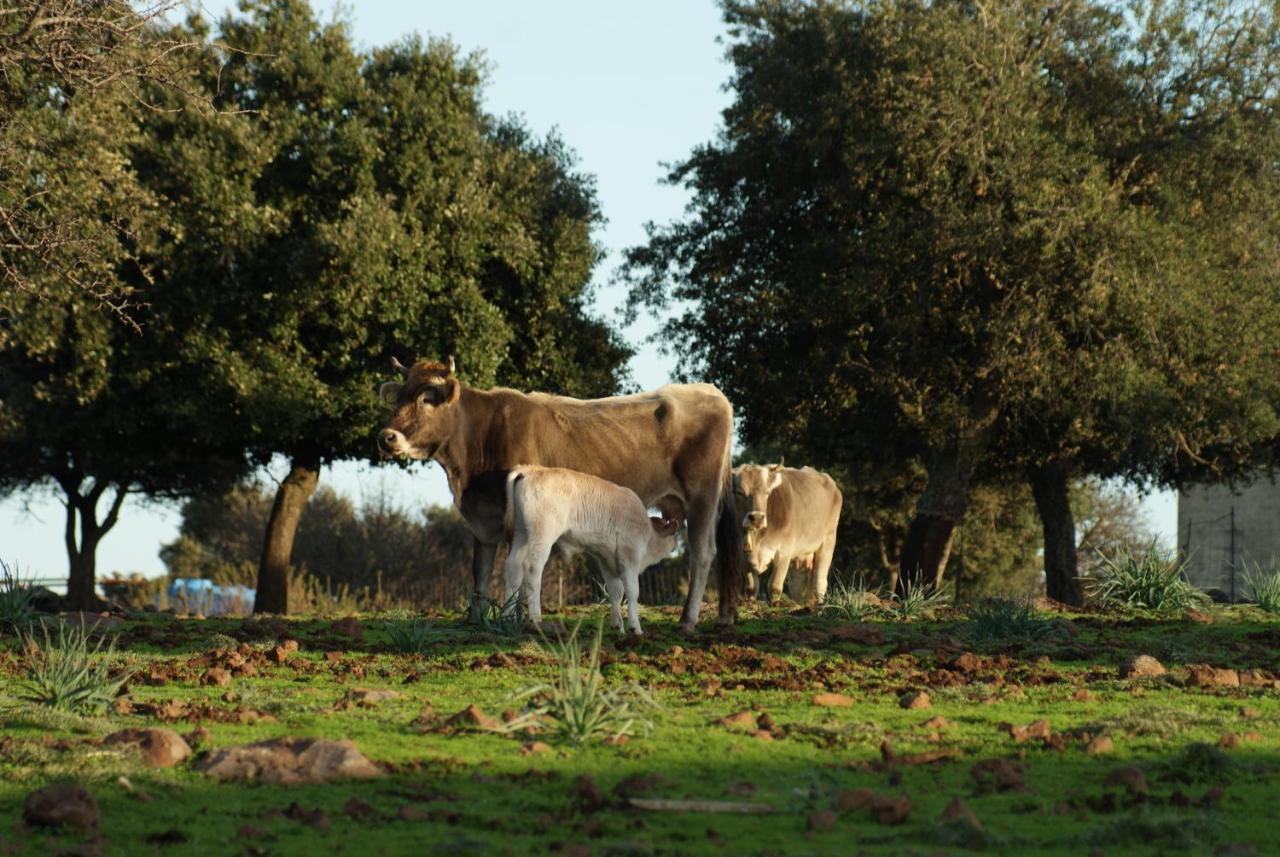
{"points": [[631, 579], [753, 583], [821, 565], [482, 560], [781, 564], [616, 589], [515, 567], [702, 546]]}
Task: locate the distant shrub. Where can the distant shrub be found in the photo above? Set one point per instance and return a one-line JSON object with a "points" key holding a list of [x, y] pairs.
{"points": [[16, 612], [1151, 580], [1002, 620], [1264, 588]]}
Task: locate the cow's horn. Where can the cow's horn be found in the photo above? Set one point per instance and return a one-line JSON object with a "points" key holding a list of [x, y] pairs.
{"points": [[452, 367], [399, 367]]}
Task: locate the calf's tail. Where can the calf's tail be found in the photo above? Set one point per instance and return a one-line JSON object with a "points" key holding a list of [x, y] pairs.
{"points": [[731, 565], [509, 514]]}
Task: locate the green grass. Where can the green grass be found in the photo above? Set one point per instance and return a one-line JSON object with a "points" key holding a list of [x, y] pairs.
{"points": [[851, 600], [1151, 580], [999, 620], [1264, 588], [16, 612], [69, 672], [476, 792]]}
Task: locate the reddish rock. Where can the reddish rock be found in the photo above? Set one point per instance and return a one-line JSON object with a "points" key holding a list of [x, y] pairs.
{"points": [[999, 774], [290, 760], [863, 635], [1130, 778], [1035, 729], [850, 800], [159, 747], [889, 810], [1141, 666], [958, 810], [822, 820], [1083, 695], [348, 627], [938, 722], [832, 700], [1100, 745], [740, 720], [965, 662], [1203, 675], [473, 717], [914, 699], [1229, 741], [535, 747], [62, 804]]}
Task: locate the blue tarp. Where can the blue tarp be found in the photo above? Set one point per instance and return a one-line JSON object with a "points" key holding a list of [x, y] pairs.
{"points": [[196, 595]]}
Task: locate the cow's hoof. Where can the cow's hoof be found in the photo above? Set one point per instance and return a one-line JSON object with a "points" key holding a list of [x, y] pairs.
{"points": [[686, 630]]}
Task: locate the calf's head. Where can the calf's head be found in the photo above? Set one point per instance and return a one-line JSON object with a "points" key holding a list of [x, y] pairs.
{"points": [[752, 485], [424, 409], [662, 540]]}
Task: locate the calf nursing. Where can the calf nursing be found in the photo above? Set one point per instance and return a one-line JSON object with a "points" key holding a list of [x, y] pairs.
{"points": [[547, 506]]}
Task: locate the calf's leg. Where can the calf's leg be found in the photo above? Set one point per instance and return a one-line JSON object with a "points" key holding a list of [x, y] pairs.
{"points": [[616, 590], [631, 579]]}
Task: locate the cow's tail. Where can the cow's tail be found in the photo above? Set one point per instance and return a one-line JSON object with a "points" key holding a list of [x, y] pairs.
{"points": [[731, 564], [509, 514]]}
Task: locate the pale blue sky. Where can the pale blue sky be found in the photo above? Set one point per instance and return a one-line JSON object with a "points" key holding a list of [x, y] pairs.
{"points": [[628, 86]]}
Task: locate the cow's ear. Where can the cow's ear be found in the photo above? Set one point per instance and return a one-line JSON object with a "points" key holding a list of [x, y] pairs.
{"points": [[390, 391], [452, 392]]}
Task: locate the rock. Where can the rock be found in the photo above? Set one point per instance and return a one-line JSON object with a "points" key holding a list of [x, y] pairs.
{"points": [[159, 747], [862, 634], [740, 720], [62, 803], [1035, 729], [888, 810], [473, 717], [965, 662], [535, 747], [199, 738], [1131, 778], [832, 700], [763, 735], [1141, 666], [371, 695], [914, 699], [1203, 675], [822, 820], [1083, 695], [958, 810], [289, 646], [359, 809], [999, 774], [1229, 741], [348, 627], [851, 800], [1099, 745], [938, 722], [216, 677], [290, 760]]}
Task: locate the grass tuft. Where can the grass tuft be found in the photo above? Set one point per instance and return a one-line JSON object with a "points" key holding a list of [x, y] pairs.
{"points": [[576, 705], [1151, 580], [69, 673], [506, 618], [853, 601], [1001, 620], [1264, 588], [412, 638], [919, 598], [16, 612]]}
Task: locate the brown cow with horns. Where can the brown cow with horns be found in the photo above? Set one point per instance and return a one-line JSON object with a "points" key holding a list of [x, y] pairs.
{"points": [[671, 446]]}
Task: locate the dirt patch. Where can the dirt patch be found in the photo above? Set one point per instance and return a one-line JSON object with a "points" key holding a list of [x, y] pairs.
{"points": [[62, 804], [290, 760], [159, 748]]}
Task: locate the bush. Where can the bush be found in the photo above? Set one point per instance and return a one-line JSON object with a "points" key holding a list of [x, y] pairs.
{"points": [[853, 600], [1152, 580], [16, 612], [1001, 620], [1264, 588], [576, 705], [919, 598], [69, 673]]}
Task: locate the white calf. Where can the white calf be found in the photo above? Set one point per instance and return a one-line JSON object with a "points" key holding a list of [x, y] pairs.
{"points": [[548, 506]]}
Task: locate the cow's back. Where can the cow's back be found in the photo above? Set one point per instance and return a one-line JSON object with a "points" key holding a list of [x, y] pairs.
{"points": [[803, 511]]}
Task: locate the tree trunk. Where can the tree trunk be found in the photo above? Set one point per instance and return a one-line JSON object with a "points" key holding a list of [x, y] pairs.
{"points": [[939, 511], [277, 547], [82, 553], [1049, 486]]}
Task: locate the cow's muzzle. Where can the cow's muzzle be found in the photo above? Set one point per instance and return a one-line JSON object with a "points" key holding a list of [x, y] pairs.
{"points": [[392, 442]]}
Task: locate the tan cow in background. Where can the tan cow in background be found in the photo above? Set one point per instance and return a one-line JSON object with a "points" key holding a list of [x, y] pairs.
{"points": [[788, 515], [670, 446]]}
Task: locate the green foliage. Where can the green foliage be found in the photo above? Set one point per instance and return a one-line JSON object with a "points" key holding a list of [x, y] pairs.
{"points": [[69, 673], [576, 705], [413, 638], [919, 598], [1199, 762], [852, 600], [16, 612], [506, 618], [1264, 587], [1150, 580], [1000, 620]]}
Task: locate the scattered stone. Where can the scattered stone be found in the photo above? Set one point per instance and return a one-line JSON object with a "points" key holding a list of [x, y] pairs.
{"points": [[159, 747], [740, 720], [1035, 729], [965, 662], [348, 627], [216, 677], [473, 717], [832, 700], [1229, 741], [862, 634], [1198, 617], [914, 699], [359, 809], [1203, 675], [1141, 666], [316, 818], [409, 812], [587, 795], [1100, 745], [888, 810], [958, 810], [1083, 695], [199, 738], [767, 723], [289, 646], [1056, 742], [62, 803], [999, 774], [763, 735], [1130, 778], [371, 695], [938, 722], [851, 800], [822, 821], [535, 747], [290, 760]]}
